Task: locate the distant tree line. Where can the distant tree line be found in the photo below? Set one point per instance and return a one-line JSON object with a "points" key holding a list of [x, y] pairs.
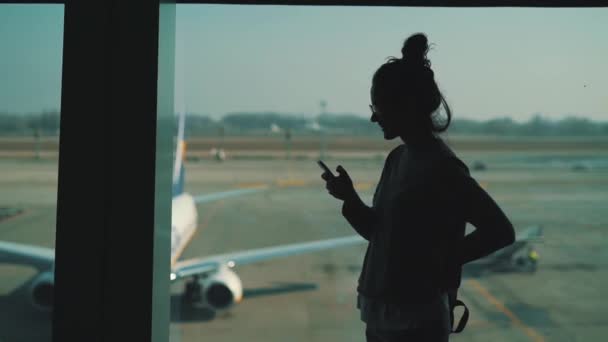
{"points": [[257, 123], [45, 123], [536, 126], [271, 123]]}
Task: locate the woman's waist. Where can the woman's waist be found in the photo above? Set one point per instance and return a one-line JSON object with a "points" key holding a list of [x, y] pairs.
{"points": [[403, 293], [401, 304]]}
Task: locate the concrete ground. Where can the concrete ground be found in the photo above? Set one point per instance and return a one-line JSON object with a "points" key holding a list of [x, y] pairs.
{"points": [[312, 297]]}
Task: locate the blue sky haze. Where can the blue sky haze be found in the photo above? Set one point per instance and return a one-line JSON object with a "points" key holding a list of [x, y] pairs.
{"points": [[489, 62]]}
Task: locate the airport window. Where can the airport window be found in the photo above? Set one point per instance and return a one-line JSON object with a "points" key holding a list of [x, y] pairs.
{"points": [[31, 39], [262, 92]]}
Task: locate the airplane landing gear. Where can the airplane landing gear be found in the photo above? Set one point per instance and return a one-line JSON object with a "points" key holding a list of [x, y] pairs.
{"points": [[193, 304], [193, 292]]}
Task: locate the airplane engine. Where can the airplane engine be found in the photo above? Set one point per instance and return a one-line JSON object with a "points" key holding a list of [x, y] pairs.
{"points": [[41, 291], [220, 290], [525, 260]]}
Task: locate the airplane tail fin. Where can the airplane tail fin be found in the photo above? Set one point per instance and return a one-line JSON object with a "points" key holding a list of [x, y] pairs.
{"points": [[180, 154], [532, 233]]}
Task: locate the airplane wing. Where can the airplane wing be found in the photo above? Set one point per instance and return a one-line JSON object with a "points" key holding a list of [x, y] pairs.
{"points": [[203, 265], [192, 267], [40, 257], [533, 233], [225, 194]]}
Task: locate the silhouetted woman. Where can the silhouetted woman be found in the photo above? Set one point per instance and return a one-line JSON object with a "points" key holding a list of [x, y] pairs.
{"points": [[416, 225]]}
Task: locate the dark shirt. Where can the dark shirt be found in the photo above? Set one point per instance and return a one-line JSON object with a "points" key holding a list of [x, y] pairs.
{"points": [[397, 316], [416, 226]]}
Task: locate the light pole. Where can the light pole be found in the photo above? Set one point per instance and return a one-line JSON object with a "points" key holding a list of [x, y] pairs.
{"points": [[37, 143], [288, 143], [323, 142]]}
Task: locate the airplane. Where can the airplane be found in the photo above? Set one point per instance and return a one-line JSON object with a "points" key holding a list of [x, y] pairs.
{"points": [[310, 125], [274, 128], [210, 281], [520, 256], [314, 125]]}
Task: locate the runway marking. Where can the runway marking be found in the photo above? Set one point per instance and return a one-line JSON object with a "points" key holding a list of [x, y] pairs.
{"points": [[296, 182], [363, 185], [530, 332], [282, 183], [252, 185]]}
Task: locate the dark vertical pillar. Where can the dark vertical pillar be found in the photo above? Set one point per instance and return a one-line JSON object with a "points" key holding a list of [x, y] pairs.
{"points": [[112, 220]]}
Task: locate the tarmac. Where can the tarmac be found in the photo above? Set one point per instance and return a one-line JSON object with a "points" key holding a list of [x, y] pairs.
{"points": [[312, 297]]}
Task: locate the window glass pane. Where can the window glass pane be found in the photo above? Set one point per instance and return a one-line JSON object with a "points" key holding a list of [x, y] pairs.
{"points": [[268, 90], [31, 37]]}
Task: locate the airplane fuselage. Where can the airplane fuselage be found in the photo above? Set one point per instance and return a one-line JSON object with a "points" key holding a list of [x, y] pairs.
{"points": [[183, 224]]}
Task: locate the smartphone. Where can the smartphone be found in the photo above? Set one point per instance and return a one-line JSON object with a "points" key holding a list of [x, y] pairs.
{"points": [[324, 167]]}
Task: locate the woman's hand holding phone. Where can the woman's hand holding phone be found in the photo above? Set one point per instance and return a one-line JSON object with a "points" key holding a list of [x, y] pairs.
{"points": [[341, 186]]}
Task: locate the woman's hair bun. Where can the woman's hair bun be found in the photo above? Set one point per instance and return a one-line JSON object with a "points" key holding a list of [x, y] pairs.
{"points": [[415, 48]]}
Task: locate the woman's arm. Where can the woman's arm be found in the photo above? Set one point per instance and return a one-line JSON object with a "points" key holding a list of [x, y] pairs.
{"points": [[359, 215], [493, 230], [466, 200]]}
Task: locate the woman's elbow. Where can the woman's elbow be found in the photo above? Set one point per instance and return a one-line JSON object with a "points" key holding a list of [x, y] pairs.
{"points": [[365, 233], [507, 238]]}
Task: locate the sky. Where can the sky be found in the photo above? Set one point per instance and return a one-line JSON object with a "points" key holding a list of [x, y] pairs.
{"points": [[488, 62]]}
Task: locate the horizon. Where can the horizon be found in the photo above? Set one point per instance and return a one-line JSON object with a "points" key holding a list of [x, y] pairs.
{"points": [[454, 117], [601, 120]]}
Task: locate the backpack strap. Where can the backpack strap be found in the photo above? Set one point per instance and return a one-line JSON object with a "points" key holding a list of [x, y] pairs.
{"points": [[463, 320]]}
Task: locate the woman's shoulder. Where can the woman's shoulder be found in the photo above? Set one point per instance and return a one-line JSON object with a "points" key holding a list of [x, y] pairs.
{"points": [[394, 153], [397, 150], [445, 161]]}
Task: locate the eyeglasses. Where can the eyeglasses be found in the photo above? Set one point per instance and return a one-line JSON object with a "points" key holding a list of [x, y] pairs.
{"points": [[373, 109]]}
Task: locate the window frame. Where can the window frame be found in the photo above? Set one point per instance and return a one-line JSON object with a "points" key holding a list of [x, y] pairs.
{"points": [[113, 209], [113, 212]]}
